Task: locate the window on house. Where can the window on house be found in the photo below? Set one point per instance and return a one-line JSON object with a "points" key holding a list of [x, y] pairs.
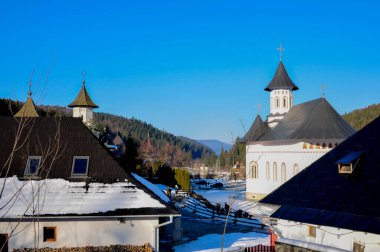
{"points": [[274, 171], [254, 170], [80, 165], [283, 172], [4, 242], [50, 234], [285, 103], [358, 247], [268, 171], [311, 231], [32, 165], [348, 163]]}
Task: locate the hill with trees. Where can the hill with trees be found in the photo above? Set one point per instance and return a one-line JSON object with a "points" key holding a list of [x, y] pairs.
{"points": [[176, 150], [361, 117]]}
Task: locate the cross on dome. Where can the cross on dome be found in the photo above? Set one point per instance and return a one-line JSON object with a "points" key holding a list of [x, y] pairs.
{"points": [[281, 49]]}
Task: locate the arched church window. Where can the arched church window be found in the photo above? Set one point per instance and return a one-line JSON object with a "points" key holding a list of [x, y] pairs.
{"points": [[285, 104], [268, 170], [253, 170], [330, 145], [283, 172], [305, 145], [317, 146], [296, 169], [277, 100], [336, 144], [311, 146], [274, 171]]}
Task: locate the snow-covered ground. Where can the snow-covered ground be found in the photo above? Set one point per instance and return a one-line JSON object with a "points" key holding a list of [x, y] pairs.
{"points": [[232, 192], [213, 241]]}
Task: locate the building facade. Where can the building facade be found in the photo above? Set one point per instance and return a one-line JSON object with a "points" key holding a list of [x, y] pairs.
{"points": [[291, 138]]}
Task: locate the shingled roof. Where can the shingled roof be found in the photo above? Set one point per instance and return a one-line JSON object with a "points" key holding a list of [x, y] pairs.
{"points": [[315, 119], [83, 99], [43, 136], [258, 128], [320, 195], [281, 80], [28, 109]]}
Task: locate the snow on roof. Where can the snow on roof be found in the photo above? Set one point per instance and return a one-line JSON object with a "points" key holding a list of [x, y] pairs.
{"points": [[61, 197], [155, 189]]}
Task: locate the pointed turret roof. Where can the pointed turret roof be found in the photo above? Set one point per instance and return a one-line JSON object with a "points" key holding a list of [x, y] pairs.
{"points": [[83, 99], [281, 80], [28, 109], [257, 129]]}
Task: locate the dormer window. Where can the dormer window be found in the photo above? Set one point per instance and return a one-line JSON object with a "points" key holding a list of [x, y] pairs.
{"points": [[32, 165], [348, 163], [80, 166]]}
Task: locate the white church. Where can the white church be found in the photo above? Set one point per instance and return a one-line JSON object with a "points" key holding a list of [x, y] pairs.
{"points": [[291, 138]]}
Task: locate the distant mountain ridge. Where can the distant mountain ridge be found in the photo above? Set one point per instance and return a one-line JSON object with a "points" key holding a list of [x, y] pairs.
{"points": [[216, 145]]}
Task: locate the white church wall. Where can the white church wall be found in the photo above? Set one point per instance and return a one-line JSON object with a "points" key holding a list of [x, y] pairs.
{"points": [[327, 236], [281, 101], [82, 233], [289, 153]]}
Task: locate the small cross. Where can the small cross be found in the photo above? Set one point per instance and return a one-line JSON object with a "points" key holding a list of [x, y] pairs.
{"points": [[281, 49], [323, 86], [84, 77], [30, 88], [258, 108]]}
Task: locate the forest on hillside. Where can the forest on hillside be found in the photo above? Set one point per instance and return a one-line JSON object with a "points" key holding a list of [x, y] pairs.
{"points": [[361, 117], [177, 151]]}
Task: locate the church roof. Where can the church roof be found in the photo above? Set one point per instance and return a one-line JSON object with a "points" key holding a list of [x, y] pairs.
{"points": [[320, 195], [83, 99], [106, 181], [281, 80], [315, 119], [258, 128], [28, 109]]}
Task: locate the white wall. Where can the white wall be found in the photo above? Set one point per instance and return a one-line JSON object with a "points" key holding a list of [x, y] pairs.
{"points": [[83, 233], [281, 94], [328, 236], [288, 152], [85, 113]]}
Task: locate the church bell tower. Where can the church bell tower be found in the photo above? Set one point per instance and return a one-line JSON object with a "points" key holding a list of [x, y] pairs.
{"points": [[281, 93], [83, 106]]}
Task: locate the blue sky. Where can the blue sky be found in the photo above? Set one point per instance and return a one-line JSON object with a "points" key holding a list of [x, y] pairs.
{"points": [[192, 68]]}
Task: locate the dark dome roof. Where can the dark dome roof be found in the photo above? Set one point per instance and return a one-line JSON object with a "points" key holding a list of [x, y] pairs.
{"points": [[281, 80]]}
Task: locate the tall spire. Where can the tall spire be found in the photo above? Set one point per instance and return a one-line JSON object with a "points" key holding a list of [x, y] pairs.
{"points": [[28, 109]]}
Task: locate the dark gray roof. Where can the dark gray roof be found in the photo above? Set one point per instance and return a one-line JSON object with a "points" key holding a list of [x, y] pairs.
{"points": [[40, 135], [320, 195], [315, 119], [257, 129], [281, 80]]}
